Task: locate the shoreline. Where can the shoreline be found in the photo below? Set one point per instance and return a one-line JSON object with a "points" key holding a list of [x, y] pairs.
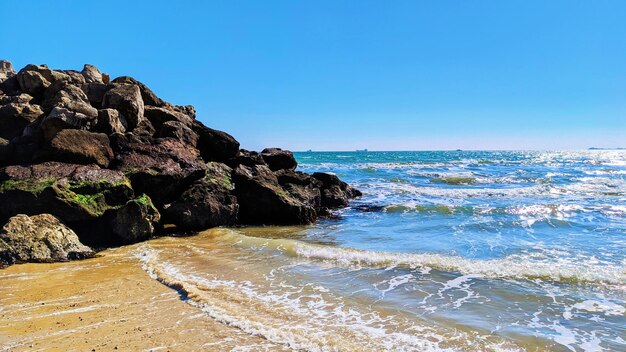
{"points": [[111, 304]]}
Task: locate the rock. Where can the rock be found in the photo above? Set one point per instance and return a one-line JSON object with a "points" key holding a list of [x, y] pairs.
{"points": [[179, 131], [6, 70], [17, 114], [35, 80], [126, 98], [135, 221], [10, 86], [278, 159], [246, 158], [91, 74], [263, 201], [301, 186], [207, 203], [23, 148], [163, 169], [32, 81], [335, 193], [39, 238], [79, 147], [6, 151], [61, 118], [74, 193], [145, 131], [214, 145], [95, 92], [74, 99], [188, 110], [158, 116], [110, 121], [149, 98]]}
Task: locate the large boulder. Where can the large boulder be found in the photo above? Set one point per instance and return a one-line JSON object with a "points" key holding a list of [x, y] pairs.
{"points": [[135, 221], [207, 203], [61, 118], [302, 187], [246, 158], [73, 193], [71, 98], [214, 145], [262, 200], [158, 116], [34, 79], [95, 92], [78, 146], [163, 169], [6, 70], [335, 193], [91, 74], [179, 131], [278, 159], [110, 121], [39, 238], [126, 98], [149, 98], [17, 112]]}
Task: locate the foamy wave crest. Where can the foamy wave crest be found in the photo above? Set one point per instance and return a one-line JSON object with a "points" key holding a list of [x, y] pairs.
{"points": [[514, 266], [301, 318], [521, 266]]}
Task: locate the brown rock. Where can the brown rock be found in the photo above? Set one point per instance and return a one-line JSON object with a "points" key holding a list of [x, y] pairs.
{"points": [[278, 159], [39, 238], [77, 146]]}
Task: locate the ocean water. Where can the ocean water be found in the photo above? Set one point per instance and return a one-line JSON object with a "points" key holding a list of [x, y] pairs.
{"points": [[445, 251]]}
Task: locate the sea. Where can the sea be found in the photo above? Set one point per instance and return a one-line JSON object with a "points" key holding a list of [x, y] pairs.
{"points": [[445, 251]]}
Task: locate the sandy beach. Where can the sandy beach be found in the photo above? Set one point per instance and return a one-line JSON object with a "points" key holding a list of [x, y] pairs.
{"points": [[105, 304]]}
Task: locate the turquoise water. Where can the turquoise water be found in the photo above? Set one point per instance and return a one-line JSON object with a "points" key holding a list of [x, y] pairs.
{"points": [[545, 231], [445, 251]]}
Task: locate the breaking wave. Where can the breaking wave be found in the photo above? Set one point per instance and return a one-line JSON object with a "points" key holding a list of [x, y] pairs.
{"points": [[517, 266]]}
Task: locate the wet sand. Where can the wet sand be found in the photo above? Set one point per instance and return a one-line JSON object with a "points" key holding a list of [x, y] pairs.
{"points": [[105, 304]]}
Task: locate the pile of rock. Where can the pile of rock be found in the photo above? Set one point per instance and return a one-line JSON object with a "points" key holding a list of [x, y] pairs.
{"points": [[116, 163]]}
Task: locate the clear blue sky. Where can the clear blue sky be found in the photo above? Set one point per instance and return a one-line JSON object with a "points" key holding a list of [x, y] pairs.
{"points": [[342, 75]]}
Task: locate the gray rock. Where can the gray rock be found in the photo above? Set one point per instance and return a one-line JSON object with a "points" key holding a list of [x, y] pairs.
{"points": [[125, 98], [39, 238], [6, 70], [91, 74], [61, 118], [110, 121], [17, 114]]}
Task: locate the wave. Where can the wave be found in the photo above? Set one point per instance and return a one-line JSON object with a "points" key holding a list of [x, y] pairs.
{"points": [[517, 266], [307, 318], [558, 211]]}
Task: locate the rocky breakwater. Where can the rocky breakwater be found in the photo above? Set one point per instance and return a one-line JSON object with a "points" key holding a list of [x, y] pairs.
{"points": [[111, 163]]}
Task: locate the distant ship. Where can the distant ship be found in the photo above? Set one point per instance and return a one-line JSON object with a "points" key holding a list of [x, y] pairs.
{"points": [[361, 150], [309, 151]]}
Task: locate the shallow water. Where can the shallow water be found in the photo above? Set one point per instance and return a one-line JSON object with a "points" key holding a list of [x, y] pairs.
{"points": [[446, 251]]}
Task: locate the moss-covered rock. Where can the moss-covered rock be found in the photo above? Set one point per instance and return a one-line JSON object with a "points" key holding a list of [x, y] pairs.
{"points": [[71, 192], [207, 203]]}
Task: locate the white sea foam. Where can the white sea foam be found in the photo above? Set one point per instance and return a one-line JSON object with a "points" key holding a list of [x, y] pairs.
{"points": [[605, 307], [315, 321], [543, 264]]}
